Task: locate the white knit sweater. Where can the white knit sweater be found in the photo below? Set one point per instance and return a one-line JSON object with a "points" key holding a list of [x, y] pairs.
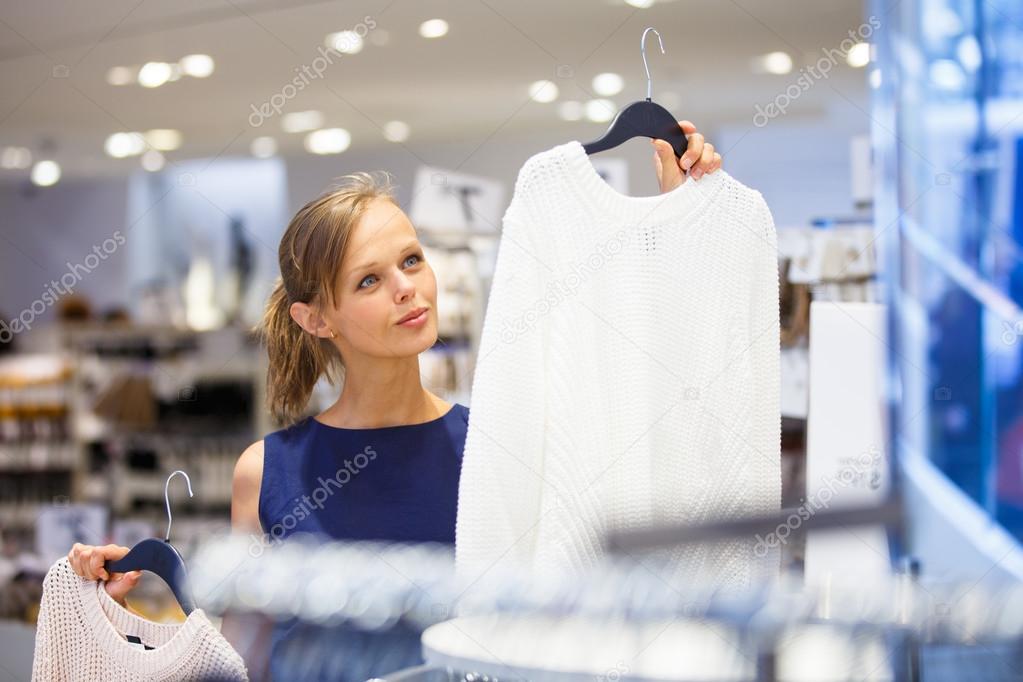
{"points": [[80, 637], [628, 374]]}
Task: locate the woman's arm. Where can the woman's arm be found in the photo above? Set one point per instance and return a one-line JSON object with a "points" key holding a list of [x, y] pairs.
{"points": [[248, 633]]}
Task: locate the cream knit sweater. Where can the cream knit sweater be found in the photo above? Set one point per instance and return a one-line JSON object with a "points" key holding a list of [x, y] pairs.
{"points": [[628, 374], [80, 637]]}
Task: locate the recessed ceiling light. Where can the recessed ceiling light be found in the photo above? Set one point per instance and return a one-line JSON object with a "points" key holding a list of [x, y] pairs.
{"points": [[301, 121], [121, 145], [15, 157], [396, 131], [608, 84], [121, 75], [600, 110], [543, 91], [858, 55], [346, 42], [164, 139], [197, 65], [263, 147], [570, 110], [433, 28], [154, 74], [777, 63], [46, 173], [328, 141], [152, 161], [642, 4]]}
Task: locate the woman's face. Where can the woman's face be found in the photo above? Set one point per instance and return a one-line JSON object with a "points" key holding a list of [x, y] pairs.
{"points": [[384, 277]]}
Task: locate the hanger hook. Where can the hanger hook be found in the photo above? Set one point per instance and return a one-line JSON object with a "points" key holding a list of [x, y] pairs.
{"points": [[642, 51], [166, 497]]}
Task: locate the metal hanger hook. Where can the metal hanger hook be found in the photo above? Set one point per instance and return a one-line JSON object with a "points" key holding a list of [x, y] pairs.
{"points": [[166, 498], [642, 51]]}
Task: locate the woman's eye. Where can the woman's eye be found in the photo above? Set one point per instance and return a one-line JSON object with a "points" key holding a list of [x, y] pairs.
{"points": [[415, 255], [365, 280]]}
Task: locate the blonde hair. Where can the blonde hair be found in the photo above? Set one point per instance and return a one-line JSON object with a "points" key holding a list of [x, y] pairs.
{"points": [[310, 260]]}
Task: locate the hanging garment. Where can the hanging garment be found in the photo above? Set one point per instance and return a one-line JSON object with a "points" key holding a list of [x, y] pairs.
{"points": [[628, 374], [83, 634]]}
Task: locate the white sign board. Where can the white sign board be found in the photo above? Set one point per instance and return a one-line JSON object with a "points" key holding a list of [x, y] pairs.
{"points": [[447, 201], [58, 526], [846, 461]]}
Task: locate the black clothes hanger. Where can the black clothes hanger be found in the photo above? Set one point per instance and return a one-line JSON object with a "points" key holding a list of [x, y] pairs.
{"points": [[642, 119], [160, 557]]}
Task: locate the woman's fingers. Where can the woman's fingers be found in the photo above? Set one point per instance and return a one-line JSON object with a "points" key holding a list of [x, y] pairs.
{"points": [[669, 175], [121, 584], [693, 152], [706, 162], [88, 560]]}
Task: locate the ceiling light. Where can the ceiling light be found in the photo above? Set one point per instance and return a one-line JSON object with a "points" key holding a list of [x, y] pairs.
{"points": [[263, 147], [328, 141], [346, 42], [396, 131], [121, 75], [777, 63], [433, 28], [152, 160], [154, 74], [164, 139], [15, 157], [197, 65], [45, 173], [121, 145], [600, 110], [608, 84], [301, 121], [570, 110], [641, 4], [858, 55], [543, 91]]}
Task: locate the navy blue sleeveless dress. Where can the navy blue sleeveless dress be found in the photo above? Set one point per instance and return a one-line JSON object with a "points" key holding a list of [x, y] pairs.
{"points": [[396, 483]]}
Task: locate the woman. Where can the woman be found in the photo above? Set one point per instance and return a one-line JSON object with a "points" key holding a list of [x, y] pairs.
{"points": [[382, 462]]}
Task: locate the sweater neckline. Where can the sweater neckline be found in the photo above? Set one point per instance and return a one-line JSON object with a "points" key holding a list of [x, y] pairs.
{"points": [[108, 620], [678, 203]]}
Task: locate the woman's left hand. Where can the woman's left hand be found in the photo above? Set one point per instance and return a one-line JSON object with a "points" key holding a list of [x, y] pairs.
{"points": [[699, 158]]}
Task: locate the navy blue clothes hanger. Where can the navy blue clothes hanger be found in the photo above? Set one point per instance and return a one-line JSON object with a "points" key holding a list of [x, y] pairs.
{"points": [[160, 557], [642, 119]]}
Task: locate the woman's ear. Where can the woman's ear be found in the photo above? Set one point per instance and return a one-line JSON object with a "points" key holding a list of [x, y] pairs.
{"points": [[309, 318]]}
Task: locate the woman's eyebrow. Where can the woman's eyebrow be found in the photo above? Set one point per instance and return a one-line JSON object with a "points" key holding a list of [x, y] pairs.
{"points": [[366, 266]]}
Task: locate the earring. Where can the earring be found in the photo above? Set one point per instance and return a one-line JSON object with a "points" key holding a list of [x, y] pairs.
{"points": [[332, 335]]}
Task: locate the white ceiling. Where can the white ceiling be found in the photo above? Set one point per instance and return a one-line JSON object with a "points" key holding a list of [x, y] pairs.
{"points": [[471, 84]]}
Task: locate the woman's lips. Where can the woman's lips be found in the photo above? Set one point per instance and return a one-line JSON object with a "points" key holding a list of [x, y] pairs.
{"points": [[416, 321]]}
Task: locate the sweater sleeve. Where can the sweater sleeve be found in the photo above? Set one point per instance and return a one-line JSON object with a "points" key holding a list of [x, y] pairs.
{"points": [[502, 464]]}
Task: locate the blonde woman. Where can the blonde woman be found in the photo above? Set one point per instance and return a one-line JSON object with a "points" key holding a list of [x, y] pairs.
{"points": [[356, 296]]}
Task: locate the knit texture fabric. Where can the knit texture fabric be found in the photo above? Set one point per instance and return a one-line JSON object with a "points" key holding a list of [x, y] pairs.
{"points": [[80, 636], [627, 375]]}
